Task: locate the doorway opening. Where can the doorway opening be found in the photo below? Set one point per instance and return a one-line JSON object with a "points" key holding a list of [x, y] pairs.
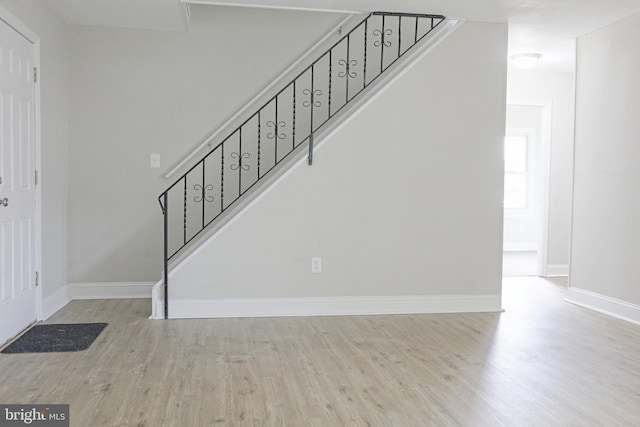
{"points": [[526, 181]]}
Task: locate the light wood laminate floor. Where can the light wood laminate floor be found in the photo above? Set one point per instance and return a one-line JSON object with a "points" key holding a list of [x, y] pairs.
{"points": [[543, 362]]}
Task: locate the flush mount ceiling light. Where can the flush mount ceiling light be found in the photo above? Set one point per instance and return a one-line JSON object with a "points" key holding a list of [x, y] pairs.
{"points": [[525, 60]]}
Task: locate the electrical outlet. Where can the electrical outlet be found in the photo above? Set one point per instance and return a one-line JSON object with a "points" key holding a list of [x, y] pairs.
{"points": [[316, 265]]}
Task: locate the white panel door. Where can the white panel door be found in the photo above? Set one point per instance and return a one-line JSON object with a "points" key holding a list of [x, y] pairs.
{"points": [[17, 189]]}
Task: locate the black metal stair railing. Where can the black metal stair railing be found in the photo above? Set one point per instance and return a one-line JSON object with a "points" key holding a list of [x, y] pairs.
{"points": [[283, 123]]}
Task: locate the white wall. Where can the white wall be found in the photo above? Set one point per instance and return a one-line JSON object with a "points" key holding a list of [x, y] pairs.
{"points": [[54, 78], [406, 199], [606, 234], [137, 92], [557, 87]]}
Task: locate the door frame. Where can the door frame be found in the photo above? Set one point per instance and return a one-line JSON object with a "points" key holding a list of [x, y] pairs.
{"points": [[542, 179], [9, 19]]}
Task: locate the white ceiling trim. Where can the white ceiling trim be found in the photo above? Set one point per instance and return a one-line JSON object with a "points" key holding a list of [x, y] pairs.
{"points": [[272, 6], [548, 27]]}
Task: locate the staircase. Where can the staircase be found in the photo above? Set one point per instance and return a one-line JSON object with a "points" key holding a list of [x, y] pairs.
{"points": [[288, 123]]}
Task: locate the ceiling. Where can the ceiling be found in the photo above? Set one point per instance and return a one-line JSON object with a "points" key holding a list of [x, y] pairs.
{"points": [[548, 27], [169, 15]]}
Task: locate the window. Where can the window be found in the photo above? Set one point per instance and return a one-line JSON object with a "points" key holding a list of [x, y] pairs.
{"points": [[516, 172]]}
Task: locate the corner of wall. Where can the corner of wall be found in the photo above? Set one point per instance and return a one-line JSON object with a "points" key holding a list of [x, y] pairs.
{"points": [[85, 291], [603, 304], [54, 302]]}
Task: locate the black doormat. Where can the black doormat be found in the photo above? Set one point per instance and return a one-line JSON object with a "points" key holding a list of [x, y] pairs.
{"points": [[56, 338]]}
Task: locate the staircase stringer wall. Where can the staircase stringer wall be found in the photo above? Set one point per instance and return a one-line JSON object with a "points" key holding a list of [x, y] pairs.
{"points": [[392, 75]]}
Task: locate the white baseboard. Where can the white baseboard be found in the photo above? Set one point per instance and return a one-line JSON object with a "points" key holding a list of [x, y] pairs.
{"points": [[54, 302], [524, 247], [557, 270], [78, 291], [333, 306], [604, 304], [157, 301], [119, 290]]}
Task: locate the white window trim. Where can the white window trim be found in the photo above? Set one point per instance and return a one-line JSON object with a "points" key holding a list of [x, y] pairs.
{"points": [[530, 210]]}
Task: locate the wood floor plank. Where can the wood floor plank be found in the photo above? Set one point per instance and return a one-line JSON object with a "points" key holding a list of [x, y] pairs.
{"points": [[542, 362]]}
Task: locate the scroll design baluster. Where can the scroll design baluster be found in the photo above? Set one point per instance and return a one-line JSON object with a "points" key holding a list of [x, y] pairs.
{"points": [[302, 107]]}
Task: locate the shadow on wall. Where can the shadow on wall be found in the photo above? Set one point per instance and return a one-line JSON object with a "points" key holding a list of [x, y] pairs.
{"points": [[137, 254]]}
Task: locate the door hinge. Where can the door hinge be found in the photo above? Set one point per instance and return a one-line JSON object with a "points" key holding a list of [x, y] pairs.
{"points": [[35, 74], [36, 173], [37, 279]]}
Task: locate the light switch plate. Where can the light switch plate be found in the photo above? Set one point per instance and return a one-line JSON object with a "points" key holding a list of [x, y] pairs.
{"points": [[155, 160]]}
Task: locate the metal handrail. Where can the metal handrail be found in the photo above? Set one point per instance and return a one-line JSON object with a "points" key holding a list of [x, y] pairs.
{"points": [[309, 83], [263, 92]]}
